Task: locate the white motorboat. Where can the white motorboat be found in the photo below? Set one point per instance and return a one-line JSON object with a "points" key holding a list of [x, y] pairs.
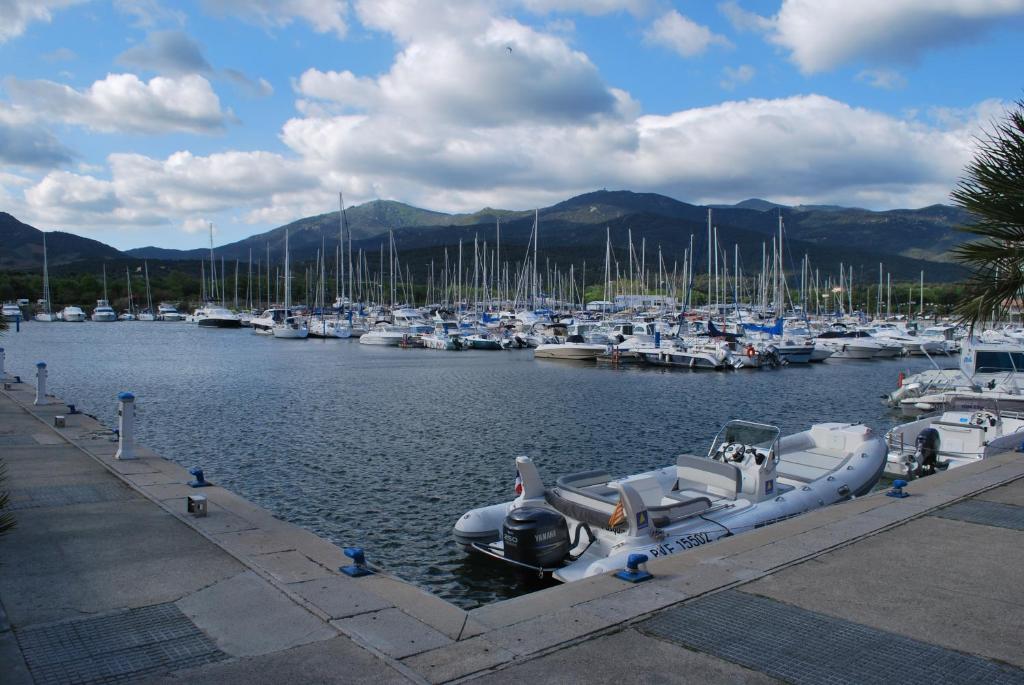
{"points": [[168, 312], [72, 313], [751, 477], [574, 348], [385, 334], [689, 356], [214, 316], [846, 345], [984, 368], [446, 336], [486, 341], [103, 312], [951, 439], [11, 311], [265, 322]]}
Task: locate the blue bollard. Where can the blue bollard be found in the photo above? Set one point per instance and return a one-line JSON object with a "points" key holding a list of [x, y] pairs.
{"points": [[897, 489], [199, 481], [358, 567], [635, 572]]}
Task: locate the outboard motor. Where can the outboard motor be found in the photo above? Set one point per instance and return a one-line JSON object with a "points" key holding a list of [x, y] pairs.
{"points": [[926, 453], [536, 537]]}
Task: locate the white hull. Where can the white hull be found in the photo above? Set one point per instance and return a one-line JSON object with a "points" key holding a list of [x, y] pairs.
{"points": [[104, 317], [571, 351], [291, 333], [46, 317], [73, 314]]}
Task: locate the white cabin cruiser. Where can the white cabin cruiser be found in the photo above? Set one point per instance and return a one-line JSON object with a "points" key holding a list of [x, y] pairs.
{"points": [[212, 316], [72, 313], [265, 322], [951, 439], [103, 312], [574, 347], [854, 345], [168, 312], [751, 477], [11, 311], [385, 334]]}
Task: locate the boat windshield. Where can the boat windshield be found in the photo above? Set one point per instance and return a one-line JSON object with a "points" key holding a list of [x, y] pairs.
{"points": [[746, 433]]}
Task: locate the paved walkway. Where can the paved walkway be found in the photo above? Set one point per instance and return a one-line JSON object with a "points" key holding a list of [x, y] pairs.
{"points": [[108, 579]]}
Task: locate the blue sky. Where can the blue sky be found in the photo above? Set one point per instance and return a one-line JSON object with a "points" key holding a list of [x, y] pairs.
{"points": [[139, 121]]}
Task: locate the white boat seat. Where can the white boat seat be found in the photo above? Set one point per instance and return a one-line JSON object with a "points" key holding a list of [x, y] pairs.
{"points": [[707, 476]]}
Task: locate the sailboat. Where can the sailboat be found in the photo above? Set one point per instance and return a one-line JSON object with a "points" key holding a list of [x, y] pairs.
{"points": [[47, 314], [130, 314], [211, 314], [292, 327], [147, 313], [103, 311]]}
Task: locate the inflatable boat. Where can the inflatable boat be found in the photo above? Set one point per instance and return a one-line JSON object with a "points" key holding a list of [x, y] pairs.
{"points": [[590, 523]]}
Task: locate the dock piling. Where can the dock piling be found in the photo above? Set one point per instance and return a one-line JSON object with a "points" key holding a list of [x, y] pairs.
{"points": [[41, 374], [125, 426]]}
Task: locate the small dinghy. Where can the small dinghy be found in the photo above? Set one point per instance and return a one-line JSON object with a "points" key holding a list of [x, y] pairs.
{"points": [[954, 438], [590, 523]]}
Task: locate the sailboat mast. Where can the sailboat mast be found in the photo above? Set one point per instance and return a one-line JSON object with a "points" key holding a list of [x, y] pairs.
{"points": [[287, 277], [213, 272]]}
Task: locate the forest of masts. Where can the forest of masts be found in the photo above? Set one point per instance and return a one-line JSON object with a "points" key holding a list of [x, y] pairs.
{"points": [[481, 280]]}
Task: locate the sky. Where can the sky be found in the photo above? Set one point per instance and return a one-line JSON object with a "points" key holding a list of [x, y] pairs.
{"points": [[139, 122]]}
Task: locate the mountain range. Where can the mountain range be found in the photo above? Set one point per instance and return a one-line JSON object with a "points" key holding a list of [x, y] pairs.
{"points": [[907, 241]]}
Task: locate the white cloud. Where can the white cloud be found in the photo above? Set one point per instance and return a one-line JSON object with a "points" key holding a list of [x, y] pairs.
{"points": [[124, 103], [824, 34], [734, 76], [16, 15], [503, 72], [683, 35], [66, 192], [886, 79], [323, 16]]}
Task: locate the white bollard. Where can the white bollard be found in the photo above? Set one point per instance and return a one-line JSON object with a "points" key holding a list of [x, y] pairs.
{"points": [[126, 426], [40, 383]]}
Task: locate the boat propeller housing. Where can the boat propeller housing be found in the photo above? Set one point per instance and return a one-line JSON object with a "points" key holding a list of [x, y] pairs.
{"points": [[536, 537]]}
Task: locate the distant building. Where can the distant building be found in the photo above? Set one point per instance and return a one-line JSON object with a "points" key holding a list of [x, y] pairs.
{"points": [[643, 302]]}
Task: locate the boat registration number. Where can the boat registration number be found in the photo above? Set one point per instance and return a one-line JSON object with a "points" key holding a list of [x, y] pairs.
{"points": [[680, 543]]}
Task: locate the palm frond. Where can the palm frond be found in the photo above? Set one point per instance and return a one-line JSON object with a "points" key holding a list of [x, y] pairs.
{"points": [[992, 189]]}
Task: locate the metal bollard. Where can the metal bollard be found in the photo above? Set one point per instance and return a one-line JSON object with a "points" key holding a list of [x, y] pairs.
{"points": [[126, 426], [41, 374], [2, 356]]}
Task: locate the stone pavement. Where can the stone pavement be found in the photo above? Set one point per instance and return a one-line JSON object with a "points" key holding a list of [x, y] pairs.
{"points": [[108, 579]]}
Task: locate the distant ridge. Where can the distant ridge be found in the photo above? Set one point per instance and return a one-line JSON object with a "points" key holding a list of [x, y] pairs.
{"points": [[906, 240]]}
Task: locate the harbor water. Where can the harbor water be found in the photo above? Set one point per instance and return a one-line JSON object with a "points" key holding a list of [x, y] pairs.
{"points": [[385, 447]]}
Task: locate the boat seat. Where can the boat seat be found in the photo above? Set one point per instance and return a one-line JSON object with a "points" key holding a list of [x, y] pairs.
{"points": [[707, 476], [590, 484]]}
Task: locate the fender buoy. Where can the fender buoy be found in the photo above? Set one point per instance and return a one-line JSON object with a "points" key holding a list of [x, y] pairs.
{"points": [[751, 352], [899, 380]]}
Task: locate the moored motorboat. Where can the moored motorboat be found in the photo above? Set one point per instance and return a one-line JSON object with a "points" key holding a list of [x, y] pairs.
{"points": [[590, 523], [72, 313], [953, 438], [168, 312], [574, 348]]}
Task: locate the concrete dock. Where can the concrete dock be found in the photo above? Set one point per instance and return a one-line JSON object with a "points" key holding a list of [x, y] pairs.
{"points": [[107, 578]]}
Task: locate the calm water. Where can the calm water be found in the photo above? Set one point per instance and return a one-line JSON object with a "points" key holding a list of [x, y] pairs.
{"points": [[386, 448]]}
